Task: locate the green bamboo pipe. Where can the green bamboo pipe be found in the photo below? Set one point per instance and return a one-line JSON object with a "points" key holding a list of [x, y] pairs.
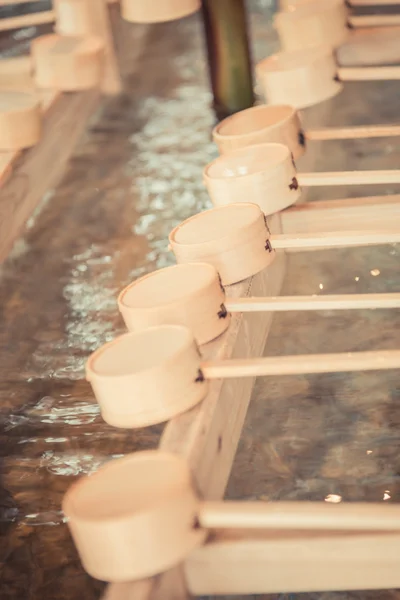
{"points": [[229, 60]]}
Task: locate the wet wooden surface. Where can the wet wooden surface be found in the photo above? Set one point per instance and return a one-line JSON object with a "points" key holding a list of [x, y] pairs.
{"points": [[135, 174]]}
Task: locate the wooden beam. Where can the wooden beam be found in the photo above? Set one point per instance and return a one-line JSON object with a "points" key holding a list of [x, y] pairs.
{"points": [[8, 158], [237, 562], [296, 516], [361, 214], [208, 435], [8, 2], [101, 24], [28, 20], [36, 171]]}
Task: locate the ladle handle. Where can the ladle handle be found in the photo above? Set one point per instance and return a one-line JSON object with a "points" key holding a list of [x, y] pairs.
{"points": [[306, 303], [302, 364], [28, 20], [369, 73], [300, 516], [374, 20], [334, 239], [351, 133], [349, 178], [374, 2]]}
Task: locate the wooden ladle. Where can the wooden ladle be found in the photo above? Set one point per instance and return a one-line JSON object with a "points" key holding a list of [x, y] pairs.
{"points": [[191, 294], [140, 515], [67, 63], [282, 124], [139, 11], [309, 76], [235, 239], [325, 22], [148, 377], [266, 174]]}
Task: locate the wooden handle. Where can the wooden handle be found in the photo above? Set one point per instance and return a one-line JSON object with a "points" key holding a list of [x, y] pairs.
{"points": [[369, 73], [238, 563], [374, 2], [303, 364], [28, 20], [8, 2], [350, 133], [334, 239], [300, 516], [374, 20], [303, 303], [369, 47], [349, 178]]}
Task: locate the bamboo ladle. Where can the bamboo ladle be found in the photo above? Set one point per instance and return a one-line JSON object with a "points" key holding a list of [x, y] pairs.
{"points": [[20, 120], [309, 76], [148, 377], [150, 496], [266, 175], [282, 125], [325, 22], [67, 63], [139, 11], [192, 295], [235, 239]]}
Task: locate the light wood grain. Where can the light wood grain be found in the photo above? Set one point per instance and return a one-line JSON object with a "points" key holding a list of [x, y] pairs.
{"points": [[371, 46], [349, 178], [361, 214], [18, 64], [100, 21], [369, 73], [8, 2], [8, 158], [245, 563], [374, 2], [303, 364], [334, 239], [28, 20], [296, 516], [374, 20], [350, 133], [125, 590], [308, 303]]}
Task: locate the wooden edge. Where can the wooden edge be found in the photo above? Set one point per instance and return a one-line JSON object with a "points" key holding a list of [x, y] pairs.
{"points": [[9, 158], [240, 562], [100, 16], [8, 2], [208, 435], [36, 172], [169, 586], [289, 516], [28, 20], [101, 24], [21, 65], [360, 214], [373, 46], [140, 591]]}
